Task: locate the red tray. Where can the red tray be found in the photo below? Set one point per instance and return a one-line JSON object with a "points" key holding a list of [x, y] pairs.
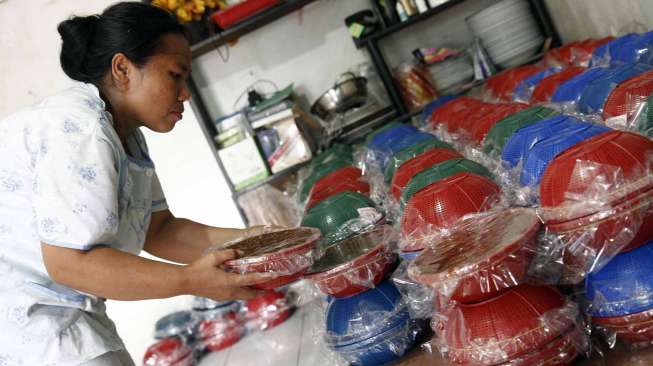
{"points": [[234, 14]]}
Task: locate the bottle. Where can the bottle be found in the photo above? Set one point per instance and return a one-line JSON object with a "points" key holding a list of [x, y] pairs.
{"points": [[421, 6]]}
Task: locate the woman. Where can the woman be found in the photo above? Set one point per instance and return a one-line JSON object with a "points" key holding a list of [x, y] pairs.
{"points": [[79, 198]]}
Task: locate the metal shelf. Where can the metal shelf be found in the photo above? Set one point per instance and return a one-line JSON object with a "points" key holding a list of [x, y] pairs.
{"points": [[272, 178], [248, 25]]}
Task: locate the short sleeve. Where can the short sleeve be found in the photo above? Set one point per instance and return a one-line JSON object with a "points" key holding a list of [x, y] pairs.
{"points": [[76, 190], [159, 202]]}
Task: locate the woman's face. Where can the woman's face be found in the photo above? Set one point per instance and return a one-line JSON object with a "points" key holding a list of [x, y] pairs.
{"points": [[159, 91]]}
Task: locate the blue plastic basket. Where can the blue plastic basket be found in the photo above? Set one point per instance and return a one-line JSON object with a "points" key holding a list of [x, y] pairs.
{"points": [[595, 93], [639, 49], [524, 90], [428, 110], [358, 318], [605, 53], [524, 139], [397, 145], [541, 154], [624, 285], [570, 90], [179, 323], [390, 134]]}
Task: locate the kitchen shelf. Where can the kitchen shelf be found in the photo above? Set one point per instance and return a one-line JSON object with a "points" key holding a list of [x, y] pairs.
{"points": [[248, 25], [271, 178], [384, 32]]}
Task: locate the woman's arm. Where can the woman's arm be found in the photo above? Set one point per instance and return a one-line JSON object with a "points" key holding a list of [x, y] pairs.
{"points": [[184, 241], [117, 275]]}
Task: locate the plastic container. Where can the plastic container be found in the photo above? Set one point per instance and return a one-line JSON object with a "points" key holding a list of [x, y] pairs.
{"points": [[179, 323], [438, 172], [571, 90], [450, 110], [524, 90], [441, 204], [626, 99], [545, 89], [418, 164], [218, 333], [285, 252], [353, 265], [480, 257], [545, 150], [499, 134], [357, 186], [431, 107], [486, 121], [266, 311], [607, 52], [410, 152], [319, 171], [171, 351], [384, 154], [503, 84], [624, 286]]}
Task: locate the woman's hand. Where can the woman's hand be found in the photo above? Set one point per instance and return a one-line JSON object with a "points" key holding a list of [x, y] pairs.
{"points": [[206, 278]]}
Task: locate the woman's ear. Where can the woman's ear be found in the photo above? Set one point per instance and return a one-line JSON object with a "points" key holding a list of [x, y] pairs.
{"points": [[122, 71]]}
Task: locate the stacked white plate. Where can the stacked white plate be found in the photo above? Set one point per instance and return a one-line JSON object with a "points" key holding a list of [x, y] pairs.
{"points": [[451, 75], [508, 32]]}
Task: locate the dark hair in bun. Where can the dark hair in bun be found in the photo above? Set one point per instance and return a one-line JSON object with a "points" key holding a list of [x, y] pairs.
{"points": [[132, 28]]}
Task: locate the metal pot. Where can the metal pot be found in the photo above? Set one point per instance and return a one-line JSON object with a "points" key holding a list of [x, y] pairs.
{"points": [[345, 95]]}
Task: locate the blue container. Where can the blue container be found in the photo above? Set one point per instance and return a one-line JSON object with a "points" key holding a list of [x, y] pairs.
{"points": [[639, 49], [395, 146], [605, 53], [385, 347], [180, 323], [425, 118], [524, 90], [523, 140], [570, 90], [595, 93], [366, 315], [390, 134], [541, 154], [624, 285]]}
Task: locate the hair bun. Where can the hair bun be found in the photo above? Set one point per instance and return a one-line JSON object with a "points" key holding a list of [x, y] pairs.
{"points": [[76, 34]]}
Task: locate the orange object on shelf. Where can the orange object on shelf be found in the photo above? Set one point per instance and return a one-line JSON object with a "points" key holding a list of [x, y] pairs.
{"points": [[234, 14]]}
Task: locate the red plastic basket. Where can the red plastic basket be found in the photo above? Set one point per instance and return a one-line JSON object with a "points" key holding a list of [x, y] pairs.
{"points": [[484, 123], [546, 87], [236, 13], [169, 351], [481, 257], [441, 204], [339, 187], [463, 121], [561, 56], [267, 310], [503, 84], [503, 327], [348, 173], [417, 164], [582, 52], [628, 96], [220, 333], [614, 155], [450, 110]]}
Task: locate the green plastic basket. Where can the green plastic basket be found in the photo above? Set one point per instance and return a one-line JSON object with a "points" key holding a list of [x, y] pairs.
{"points": [[441, 171], [378, 131], [331, 215], [499, 134], [320, 171], [336, 151], [410, 152]]}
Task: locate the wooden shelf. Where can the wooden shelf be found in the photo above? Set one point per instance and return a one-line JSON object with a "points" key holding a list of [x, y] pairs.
{"points": [[248, 25]]}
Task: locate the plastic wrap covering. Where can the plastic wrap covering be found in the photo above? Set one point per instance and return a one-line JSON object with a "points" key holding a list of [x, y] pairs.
{"points": [[609, 51], [378, 147], [451, 110], [570, 91], [481, 126], [545, 89], [347, 179], [595, 93], [371, 328], [343, 215], [382, 154], [318, 171], [425, 117], [441, 204], [560, 57], [499, 134], [502, 85], [286, 253], [480, 256], [463, 122], [410, 152], [525, 325], [583, 51], [171, 351], [356, 264], [266, 311], [418, 164], [524, 90], [420, 297], [415, 85], [180, 323], [638, 49], [621, 296], [596, 201], [628, 107], [219, 330]]}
